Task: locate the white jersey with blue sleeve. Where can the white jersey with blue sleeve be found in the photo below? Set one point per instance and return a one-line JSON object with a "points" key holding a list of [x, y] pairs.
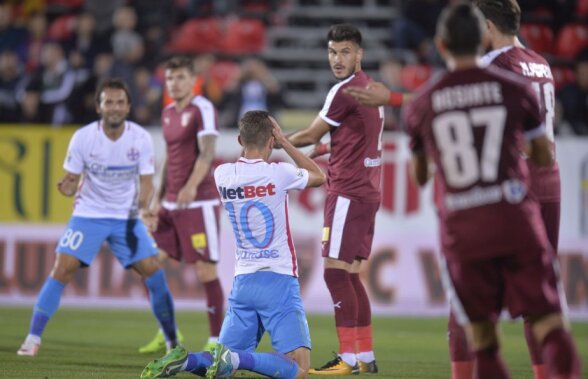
{"points": [[110, 170], [255, 195]]}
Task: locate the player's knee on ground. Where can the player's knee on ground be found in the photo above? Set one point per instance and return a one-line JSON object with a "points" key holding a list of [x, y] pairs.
{"points": [[481, 335], [205, 271], [543, 325], [146, 267], [64, 268], [302, 357]]}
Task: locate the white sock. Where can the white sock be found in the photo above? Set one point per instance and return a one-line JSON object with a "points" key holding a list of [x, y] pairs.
{"points": [[349, 358], [213, 339], [235, 360], [33, 339], [367, 356]]}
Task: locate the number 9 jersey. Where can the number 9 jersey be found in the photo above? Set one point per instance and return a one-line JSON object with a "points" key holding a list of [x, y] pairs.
{"points": [[255, 195]]}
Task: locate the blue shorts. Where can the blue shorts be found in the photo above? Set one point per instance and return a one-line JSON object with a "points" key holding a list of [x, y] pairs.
{"points": [[265, 301], [128, 240]]}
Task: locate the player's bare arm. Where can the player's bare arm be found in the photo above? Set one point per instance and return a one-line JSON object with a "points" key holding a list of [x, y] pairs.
{"points": [[420, 168], [316, 176], [206, 145], [376, 94], [311, 135], [540, 151], [68, 185], [146, 190], [320, 149]]}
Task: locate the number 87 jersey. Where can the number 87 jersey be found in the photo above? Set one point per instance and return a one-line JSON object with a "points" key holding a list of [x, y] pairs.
{"points": [[255, 196]]}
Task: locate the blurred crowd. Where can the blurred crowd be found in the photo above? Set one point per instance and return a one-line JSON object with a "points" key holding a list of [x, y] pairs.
{"points": [[54, 52]]}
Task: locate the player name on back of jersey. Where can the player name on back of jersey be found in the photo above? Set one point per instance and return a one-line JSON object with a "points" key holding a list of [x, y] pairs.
{"points": [[247, 192], [467, 95], [536, 70]]}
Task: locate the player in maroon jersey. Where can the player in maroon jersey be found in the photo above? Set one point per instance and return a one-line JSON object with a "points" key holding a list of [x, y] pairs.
{"points": [[471, 123], [502, 22], [353, 197], [187, 204]]}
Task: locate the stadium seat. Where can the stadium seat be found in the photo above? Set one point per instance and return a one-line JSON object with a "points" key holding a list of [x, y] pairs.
{"points": [[562, 76], [413, 75], [582, 8], [244, 36], [572, 38], [196, 36], [62, 27], [538, 37]]}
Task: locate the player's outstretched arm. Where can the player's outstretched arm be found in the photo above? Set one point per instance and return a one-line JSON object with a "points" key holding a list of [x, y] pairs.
{"points": [[68, 185], [376, 94], [316, 176], [309, 136]]}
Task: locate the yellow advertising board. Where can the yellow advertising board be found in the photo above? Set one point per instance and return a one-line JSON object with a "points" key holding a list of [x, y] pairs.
{"points": [[31, 161]]}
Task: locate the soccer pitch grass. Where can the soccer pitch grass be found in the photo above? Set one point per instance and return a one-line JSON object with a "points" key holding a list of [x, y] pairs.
{"points": [[103, 344]]}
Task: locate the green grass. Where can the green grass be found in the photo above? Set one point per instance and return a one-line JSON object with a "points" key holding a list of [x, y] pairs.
{"points": [[103, 344]]}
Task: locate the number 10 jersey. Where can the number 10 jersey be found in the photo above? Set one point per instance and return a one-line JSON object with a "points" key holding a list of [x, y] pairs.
{"points": [[255, 195]]}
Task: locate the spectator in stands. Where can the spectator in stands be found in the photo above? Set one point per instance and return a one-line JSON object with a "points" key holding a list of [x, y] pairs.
{"points": [[103, 10], [390, 74], [82, 102], [254, 89], [574, 97], [127, 45], [11, 86], [85, 42], [50, 87], [11, 36], [36, 34], [146, 98]]}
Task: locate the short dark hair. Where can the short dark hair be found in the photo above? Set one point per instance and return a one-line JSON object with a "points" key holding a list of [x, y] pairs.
{"points": [[177, 62], [461, 28], [344, 32], [255, 128], [115, 83], [505, 14]]}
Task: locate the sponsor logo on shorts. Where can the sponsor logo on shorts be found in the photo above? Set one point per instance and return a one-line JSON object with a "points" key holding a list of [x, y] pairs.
{"points": [[252, 255], [247, 192], [326, 233], [199, 241]]}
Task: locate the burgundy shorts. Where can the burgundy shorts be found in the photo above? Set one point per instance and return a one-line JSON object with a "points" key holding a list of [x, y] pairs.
{"points": [[524, 283], [189, 235], [348, 229]]}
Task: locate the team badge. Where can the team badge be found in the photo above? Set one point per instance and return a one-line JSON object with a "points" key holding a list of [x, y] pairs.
{"points": [[133, 154], [185, 119], [199, 241]]}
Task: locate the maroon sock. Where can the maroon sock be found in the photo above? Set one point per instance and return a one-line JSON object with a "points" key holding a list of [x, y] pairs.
{"points": [[343, 294], [458, 343], [489, 364], [214, 303], [534, 348], [560, 355], [364, 314]]}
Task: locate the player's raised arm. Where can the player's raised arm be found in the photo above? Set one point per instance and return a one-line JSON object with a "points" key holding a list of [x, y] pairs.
{"points": [[540, 151], [68, 185], [309, 136], [316, 176], [376, 94]]}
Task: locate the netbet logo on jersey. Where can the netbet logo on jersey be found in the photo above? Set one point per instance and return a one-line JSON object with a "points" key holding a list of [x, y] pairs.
{"points": [[247, 192]]}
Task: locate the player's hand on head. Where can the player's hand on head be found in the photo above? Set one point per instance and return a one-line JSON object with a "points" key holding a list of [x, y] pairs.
{"points": [[373, 95], [279, 137]]}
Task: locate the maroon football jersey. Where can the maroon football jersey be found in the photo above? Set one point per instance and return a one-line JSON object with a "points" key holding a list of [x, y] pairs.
{"points": [[356, 143], [472, 124], [181, 130], [545, 181]]}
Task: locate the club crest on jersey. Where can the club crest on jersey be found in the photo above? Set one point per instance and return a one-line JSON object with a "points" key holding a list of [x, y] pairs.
{"points": [[133, 154], [185, 119]]}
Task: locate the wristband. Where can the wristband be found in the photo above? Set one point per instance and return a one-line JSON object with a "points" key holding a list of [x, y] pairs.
{"points": [[395, 99], [322, 149]]}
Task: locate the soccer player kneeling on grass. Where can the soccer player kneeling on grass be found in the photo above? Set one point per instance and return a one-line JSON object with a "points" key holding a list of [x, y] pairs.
{"points": [[266, 293]]}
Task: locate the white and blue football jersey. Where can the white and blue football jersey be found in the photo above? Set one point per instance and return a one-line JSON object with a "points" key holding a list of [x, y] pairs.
{"points": [[110, 169], [255, 195]]}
